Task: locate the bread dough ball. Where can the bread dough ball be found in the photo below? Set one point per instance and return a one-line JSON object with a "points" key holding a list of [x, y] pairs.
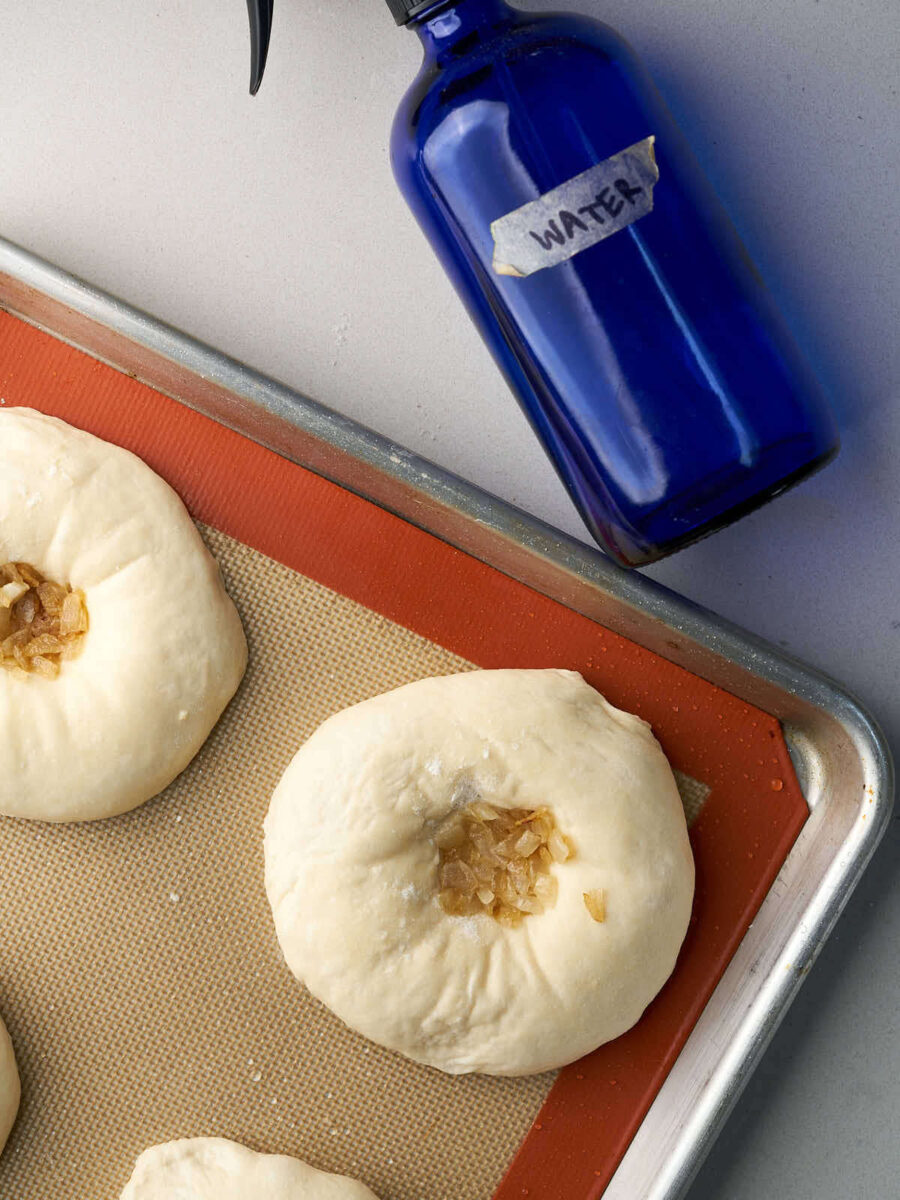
{"points": [[214, 1169], [101, 732], [580, 901], [10, 1091]]}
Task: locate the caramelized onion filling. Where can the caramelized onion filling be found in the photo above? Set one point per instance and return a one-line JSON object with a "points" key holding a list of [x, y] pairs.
{"points": [[499, 861], [42, 623]]}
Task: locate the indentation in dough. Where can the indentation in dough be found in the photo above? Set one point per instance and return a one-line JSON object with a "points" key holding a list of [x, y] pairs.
{"points": [[42, 623], [499, 861]]}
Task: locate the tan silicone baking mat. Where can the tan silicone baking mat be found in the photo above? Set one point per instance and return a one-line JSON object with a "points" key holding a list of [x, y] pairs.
{"points": [[156, 1005], [139, 972]]}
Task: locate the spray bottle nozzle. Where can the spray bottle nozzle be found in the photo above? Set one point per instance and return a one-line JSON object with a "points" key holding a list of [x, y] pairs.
{"points": [[260, 30]]}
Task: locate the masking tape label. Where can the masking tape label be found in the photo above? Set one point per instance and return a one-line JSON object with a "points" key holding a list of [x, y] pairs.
{"points": [[578, 214]]}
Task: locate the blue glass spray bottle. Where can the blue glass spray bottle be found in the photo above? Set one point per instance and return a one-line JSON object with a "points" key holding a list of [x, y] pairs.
{"points": [[650, 359], [603, 274]]}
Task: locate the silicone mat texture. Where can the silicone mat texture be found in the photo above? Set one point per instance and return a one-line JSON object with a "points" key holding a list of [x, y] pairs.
{"points": [[139, 973], [144, 987]]}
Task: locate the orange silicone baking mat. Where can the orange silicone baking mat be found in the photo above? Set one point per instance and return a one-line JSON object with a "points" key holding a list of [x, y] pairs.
{"points": [[396, 603]]}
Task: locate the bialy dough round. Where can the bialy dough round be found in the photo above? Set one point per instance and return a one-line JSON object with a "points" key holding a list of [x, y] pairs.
{"points": [[354, 872], [215, 1169], [10, 1090], [164, 651]]}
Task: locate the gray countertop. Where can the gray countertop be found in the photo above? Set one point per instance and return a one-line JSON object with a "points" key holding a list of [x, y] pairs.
{"points": [[131, 154]]}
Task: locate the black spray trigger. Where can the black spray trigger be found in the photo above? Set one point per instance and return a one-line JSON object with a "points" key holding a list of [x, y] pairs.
{"points": [[260, 30]]}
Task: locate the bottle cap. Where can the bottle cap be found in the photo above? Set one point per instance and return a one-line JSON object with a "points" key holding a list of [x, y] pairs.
{"points": [[404, 10]]}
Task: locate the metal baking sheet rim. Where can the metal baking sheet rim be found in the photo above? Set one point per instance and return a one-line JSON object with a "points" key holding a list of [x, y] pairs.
{"points": [[841, 756]]}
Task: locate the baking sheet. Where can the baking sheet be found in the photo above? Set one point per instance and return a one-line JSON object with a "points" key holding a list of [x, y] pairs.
{"points": [[177, 1074]]}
